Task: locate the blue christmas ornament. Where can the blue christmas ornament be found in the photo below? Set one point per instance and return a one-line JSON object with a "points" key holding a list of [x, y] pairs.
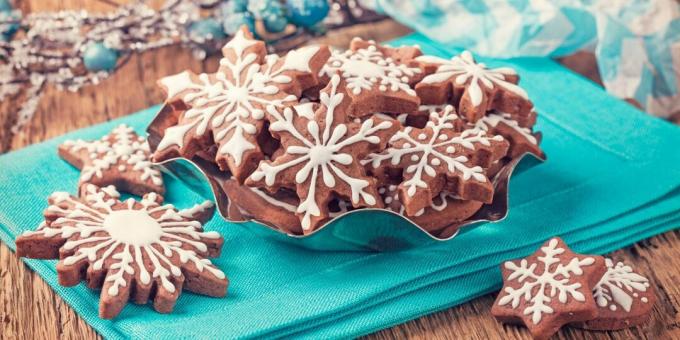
{"points": [[275, 23], [232, 6], [7, 30], [98, 57], [306, 13], [5, 6], [263, 8], [208, 28], [232, 23]]}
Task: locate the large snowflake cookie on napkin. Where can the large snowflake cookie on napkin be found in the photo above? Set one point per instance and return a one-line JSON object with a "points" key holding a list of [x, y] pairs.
{"points": [[321, 155], [549, 289], [227, 108], [138, 250], [121, 158]]}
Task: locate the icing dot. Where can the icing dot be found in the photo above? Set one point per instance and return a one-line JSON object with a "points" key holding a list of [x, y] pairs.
{"points": [[612, 307], [422, 136], [450, 149], [644, 299], [388, 200], [635, 294], [121, 167], [442, 137], [381, 190], [435, 161], [415, 158]]}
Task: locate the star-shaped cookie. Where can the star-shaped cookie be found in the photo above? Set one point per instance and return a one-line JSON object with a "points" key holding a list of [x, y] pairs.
{"points": [[549, 289], [121, 158]]}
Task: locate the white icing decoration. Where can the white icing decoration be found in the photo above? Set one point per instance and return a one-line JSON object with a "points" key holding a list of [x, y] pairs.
{"points": [[365, 68], [495, 118], [426, 150], [539, 289], [619, 287], [462, 68], [128, 152], [127, 235], [320, 153], [228, 102]]}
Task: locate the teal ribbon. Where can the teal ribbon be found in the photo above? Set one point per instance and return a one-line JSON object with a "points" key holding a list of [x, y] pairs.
{"points": [[612, 178]]}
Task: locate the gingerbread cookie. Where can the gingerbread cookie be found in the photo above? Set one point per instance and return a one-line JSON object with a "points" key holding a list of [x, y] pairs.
{"points": [[549, 289], [624, 299], [473, 87], [139, 250], [322, 155], [378, 78], [446, 209], [227, 108], [120, 158], [440, 156]]}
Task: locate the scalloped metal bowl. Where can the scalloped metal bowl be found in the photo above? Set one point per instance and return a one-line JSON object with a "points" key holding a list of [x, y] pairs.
{"points": [[387, 230]]}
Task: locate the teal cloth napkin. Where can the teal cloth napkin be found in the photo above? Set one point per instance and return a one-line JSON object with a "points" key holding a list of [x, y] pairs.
{"points": [[612, 178]]}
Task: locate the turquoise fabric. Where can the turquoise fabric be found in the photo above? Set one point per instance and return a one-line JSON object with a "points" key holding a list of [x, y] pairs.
{"points": [[612, 178]]}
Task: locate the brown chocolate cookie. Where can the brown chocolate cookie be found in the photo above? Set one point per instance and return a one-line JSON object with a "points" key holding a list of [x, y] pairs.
{"points": [[549, 289], [473, 87], [322, 154], [378, 78], [624, 299], [139, 250], [440, 156], [121, 158], [227, 108]]}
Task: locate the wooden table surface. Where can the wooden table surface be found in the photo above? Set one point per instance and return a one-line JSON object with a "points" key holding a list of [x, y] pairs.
{"points": [[29, 309]]}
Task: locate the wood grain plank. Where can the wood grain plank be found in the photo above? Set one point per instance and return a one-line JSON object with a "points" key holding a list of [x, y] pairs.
{"points": [[29, 309]]}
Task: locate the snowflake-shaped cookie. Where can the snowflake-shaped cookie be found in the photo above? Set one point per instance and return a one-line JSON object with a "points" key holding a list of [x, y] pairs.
{"points": [[624, 298], [440, 156], [475, 88], [228, 106], [322, 154], [137, 250], [120, 158], [549, 289], [378, 78]]}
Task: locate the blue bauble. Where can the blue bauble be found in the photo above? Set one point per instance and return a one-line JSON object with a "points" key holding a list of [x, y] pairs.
{"points": [[306, 13], [232, 23], [8, 30], [5, 6], [261, 9], [98, 57], [207, 28], [275, 23], [233, 6]]}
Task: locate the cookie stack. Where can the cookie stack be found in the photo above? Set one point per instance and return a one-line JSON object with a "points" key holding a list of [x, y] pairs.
{"points": [[310, 135]]}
